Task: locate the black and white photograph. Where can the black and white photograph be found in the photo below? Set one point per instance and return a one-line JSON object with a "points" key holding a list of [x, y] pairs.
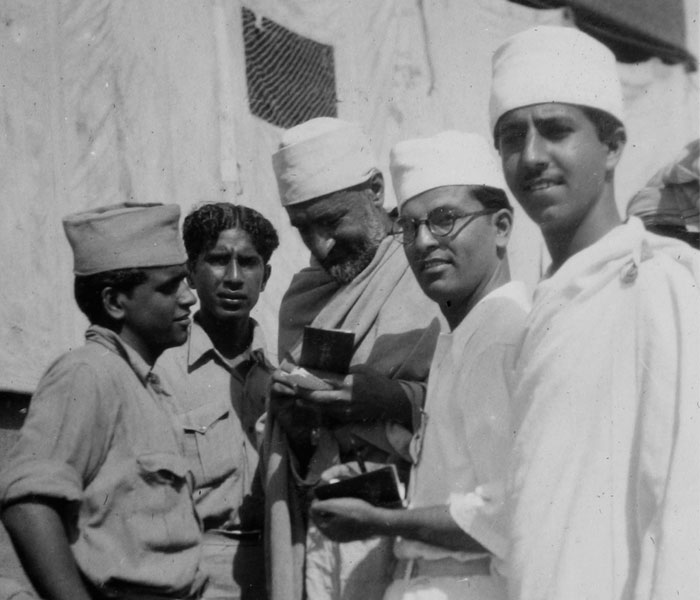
{"points": [[349, 300]]}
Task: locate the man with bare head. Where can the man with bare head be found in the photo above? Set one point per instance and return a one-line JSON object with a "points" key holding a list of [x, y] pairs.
{"points": [[219, 380]]}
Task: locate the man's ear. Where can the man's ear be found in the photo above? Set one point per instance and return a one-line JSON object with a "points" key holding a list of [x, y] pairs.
{"points": [[616, 144], [112, 302], [503, 221], [266, 276], [376, 188]]}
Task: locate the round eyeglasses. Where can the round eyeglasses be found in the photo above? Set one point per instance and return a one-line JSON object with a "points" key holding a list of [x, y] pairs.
{"points": [[440, 222]]}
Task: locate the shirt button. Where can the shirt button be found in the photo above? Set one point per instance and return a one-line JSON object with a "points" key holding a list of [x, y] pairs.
{"points": [[202, 429]]}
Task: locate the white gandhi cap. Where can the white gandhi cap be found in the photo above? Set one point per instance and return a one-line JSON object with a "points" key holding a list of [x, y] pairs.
{"points": [[448, 158], [554, 64], [321, 156]]}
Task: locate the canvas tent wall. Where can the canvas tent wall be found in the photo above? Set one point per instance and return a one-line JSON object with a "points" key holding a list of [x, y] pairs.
{"points": [[104, 101]]}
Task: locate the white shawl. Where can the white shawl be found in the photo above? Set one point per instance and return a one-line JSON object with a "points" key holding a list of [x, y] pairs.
{"points": [[605, 479]]}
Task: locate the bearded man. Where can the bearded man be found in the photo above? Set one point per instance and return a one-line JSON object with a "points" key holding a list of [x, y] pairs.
{"points": [[359, 280]]}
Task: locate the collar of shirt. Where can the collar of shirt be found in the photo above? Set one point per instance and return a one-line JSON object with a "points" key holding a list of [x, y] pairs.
{"points": [[626, 243], [111, 340], [515, 290], [454, 341], [200, 348]]}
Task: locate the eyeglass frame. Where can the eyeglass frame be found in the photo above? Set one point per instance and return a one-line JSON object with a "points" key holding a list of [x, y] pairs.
{"points": [[400, 233]]}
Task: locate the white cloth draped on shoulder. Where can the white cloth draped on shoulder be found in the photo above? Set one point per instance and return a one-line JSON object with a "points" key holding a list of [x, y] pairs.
{"points": [[605, 482]]}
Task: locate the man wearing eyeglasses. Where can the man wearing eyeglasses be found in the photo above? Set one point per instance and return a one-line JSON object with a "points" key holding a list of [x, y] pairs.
{"points": [[358, 280], [455, 222]]}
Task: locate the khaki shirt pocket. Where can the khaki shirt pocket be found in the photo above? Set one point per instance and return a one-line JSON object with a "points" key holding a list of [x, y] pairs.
{"points": [[163, 468], [139, 523], [163, 515], [212, 442]]}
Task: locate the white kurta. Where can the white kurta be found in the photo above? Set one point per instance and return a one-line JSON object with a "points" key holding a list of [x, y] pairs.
{"points": [[606, 477], [463, 447]]}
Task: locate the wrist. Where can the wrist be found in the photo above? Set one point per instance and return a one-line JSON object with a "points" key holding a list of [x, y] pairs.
{"points": [[396, 407], [386, 396], [386, 521]]}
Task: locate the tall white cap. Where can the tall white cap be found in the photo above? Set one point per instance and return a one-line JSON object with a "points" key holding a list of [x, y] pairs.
{"points": [[554, 64], [448, 158], [321, 156]]}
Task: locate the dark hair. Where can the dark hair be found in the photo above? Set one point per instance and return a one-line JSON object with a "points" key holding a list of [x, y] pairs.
{"points": [[491, 197], [605, 124], [88, 291], [203, 225]]}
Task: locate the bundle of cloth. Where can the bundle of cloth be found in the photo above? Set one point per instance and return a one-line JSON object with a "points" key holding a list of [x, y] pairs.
{"points": [[670, 203]]}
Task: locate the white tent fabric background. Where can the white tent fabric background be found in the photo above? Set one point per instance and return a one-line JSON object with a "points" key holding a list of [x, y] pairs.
{"points": [[103, 101]]}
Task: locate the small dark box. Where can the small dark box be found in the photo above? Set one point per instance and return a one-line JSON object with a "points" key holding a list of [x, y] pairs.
{"points": [[327, 349], [380, 488]]}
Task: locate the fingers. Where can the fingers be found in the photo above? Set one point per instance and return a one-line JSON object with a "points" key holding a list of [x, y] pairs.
{"points": [[342, 471], [317, 507], [323, 519], [281, 385], [335, 404], [287, 384], [324, 396], [322, 514], [335, 412], [333, 507]]}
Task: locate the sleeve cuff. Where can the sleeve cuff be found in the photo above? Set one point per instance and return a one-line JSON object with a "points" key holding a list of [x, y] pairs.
{"points": [[481, 515], [40, 477], [13, 590], [415, 393]]}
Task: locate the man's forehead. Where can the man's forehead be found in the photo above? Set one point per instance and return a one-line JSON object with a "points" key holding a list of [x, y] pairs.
{"points": [[543, 111], [448, 196], [165, 274], [333, 204], [228, 238]]}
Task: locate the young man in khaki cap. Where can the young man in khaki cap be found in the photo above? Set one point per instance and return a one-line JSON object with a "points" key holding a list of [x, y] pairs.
{"points": [[605, 482], [455, 222], [96, 494]]}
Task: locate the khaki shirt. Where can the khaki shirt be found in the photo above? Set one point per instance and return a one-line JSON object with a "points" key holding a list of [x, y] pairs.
{"points": [[218, 403], [99, 433]]}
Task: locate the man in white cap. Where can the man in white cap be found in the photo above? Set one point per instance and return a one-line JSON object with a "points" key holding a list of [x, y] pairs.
{"points": [[96, 494], [358, 280], [455, 223], [605, 485]]}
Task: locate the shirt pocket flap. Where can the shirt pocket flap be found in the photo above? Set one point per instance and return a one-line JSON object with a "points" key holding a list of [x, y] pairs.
{"points": [[200, 419], [163, 465]]}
